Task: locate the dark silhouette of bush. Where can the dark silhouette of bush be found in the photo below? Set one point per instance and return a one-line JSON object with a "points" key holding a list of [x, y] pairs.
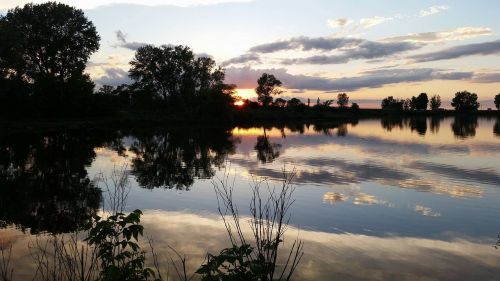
{"points": [[354, 106], [392, 103], [465, 101], [497, 101], [268, 86]]}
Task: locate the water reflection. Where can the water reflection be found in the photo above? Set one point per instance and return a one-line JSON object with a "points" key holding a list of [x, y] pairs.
{"points": [[44, 184], [464, 126], [174, 158]]}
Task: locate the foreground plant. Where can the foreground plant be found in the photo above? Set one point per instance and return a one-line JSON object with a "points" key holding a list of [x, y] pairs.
{"points": [[256, 260]]}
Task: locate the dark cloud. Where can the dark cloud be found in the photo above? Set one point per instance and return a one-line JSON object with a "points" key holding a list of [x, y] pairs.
{"points": [[123, 43], [113, 77], [487, 48], [364, 50], [245, 58], [245, 78]]}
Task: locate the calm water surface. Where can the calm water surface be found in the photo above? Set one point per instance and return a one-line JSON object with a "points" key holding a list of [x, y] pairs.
{"points": [[377, 199]]}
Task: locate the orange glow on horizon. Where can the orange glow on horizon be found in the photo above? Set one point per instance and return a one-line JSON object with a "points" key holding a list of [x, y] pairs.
{"points": [[246, 93], [239, 103]]}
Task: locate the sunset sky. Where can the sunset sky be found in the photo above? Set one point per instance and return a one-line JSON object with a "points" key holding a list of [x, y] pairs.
{"points": [[369, 49]]}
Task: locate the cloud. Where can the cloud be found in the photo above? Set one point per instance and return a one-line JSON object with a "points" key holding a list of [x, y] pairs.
{"points": [[113, 76], [486, 48], [306, 44], [123, 43], [245, 78], [433, 10], [461, 33], [373, 21], [245, 58], [486, 77], [364, 50], [334, 23], [91, 4]]}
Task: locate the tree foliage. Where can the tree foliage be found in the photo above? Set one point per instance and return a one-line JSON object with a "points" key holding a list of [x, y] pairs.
{"points": [[44, 49], [342, 100], [420, 102], [465, 101], [268, 86], [497, 101], [392, 103], [435, 102], [174, 71]]}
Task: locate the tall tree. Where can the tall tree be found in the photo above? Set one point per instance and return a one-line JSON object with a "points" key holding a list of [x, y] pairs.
{"points": [[169, 72], [420, 102], [465, 101], [342, 99], [497, 101], [47, 45], [268, 86], [435, 102]]}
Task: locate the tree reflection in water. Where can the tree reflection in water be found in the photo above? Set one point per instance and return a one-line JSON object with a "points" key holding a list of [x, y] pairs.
{"points": [[174, 158], [44, 184], [496, 128], [464, 127], [266, 150]]}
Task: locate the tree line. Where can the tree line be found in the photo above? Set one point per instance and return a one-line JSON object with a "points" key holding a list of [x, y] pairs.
{"points": [[45, 49]]}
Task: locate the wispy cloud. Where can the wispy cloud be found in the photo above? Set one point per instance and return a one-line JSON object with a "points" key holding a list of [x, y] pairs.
{"points": [[334, 23], [373, 21], [433, 10], [123, 43], [487, 48], [245, 58], [460, 33]]}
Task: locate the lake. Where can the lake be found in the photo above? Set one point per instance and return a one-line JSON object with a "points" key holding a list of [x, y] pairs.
{"points": [[375, 199]]}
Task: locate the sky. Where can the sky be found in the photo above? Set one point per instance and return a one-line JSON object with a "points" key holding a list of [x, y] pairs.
{"points": [[368, 49]]}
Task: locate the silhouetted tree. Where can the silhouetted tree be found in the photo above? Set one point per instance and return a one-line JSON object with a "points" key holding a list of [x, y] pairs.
{"points": [[497, 101], [465, 101], [170, 72], [407, 104], [342, 99], [464, 126], [268, 86], [392, 103], [293, 102], [435, 102], [279, 102], [46, 47], [420, 102], [354, 106]]}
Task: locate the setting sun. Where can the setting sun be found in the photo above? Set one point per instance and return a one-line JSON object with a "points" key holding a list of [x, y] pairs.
{"points": [[246, 93]]}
